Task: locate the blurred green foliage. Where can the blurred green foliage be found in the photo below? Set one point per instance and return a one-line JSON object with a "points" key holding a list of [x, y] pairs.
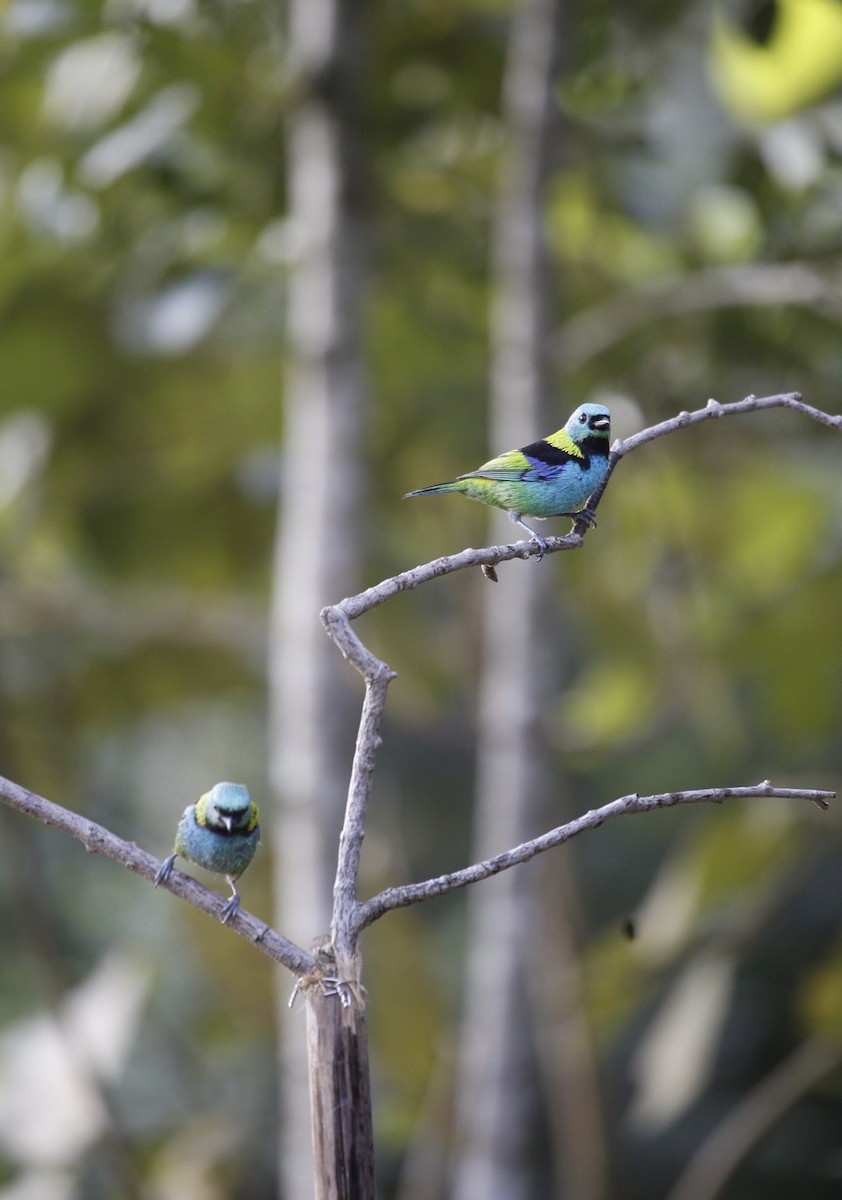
{"points": [[698, 637]]}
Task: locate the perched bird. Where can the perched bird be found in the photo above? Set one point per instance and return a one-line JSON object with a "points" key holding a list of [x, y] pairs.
{"points": [[549, 478], [219, 832]]}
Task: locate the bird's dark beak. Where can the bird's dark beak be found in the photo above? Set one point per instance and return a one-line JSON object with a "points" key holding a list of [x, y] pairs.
{"points": [[600, 422], [227, 821]]}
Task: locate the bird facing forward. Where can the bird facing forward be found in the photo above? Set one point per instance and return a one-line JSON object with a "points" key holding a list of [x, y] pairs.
{"points": [[219, 832], [549, 478]]}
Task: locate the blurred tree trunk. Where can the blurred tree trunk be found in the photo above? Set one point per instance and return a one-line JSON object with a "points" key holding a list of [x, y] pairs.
{"points": [[318, 540], [497, 1102]]}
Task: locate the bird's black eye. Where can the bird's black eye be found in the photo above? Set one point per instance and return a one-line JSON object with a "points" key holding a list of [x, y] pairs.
{"points": [[583, 418]]}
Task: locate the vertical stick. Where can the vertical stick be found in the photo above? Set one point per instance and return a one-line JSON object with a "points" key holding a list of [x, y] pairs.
{"points": [[340, 1097]]}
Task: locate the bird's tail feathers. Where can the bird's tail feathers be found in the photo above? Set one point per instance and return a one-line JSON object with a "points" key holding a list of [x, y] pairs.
{"points": [[455, 485]]}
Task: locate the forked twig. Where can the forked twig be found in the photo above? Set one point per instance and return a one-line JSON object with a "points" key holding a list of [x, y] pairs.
{"points": [[350, 915]]}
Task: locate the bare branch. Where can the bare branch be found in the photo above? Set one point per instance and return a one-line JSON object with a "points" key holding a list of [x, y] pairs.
{"points": [[346, 905], [414, 893], [713, 410], [98, 840], [355, 606]]}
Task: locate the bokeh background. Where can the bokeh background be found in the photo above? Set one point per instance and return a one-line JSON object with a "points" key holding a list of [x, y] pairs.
{"points": [[693, 214]]}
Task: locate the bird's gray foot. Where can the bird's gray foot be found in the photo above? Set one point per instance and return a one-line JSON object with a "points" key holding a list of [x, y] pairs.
{"points": [[542, 545], [533, 536], [584, 514], [232, 907], [165, 870]]}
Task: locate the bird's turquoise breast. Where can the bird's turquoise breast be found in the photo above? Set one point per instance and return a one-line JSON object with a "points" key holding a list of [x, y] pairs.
{"points": [[224, 853]]}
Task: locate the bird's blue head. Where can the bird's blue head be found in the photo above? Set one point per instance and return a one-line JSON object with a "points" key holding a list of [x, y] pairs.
{"points": [[227, 807], [589, 421]]}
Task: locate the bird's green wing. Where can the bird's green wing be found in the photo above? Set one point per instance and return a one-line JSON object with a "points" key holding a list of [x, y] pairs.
{"points": [[510, 466]]}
